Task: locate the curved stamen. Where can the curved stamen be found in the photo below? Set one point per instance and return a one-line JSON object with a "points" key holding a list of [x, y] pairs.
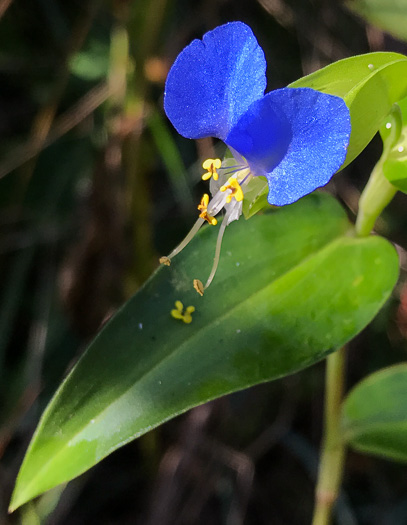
{"points": [[217, 253], [187, 239]]}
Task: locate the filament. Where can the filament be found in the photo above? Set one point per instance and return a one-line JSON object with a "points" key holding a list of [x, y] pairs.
{"points": [[187, 239], [217, 253]]}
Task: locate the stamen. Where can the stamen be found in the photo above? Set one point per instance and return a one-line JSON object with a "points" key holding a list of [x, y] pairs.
{"points": [[217, 253], [198, 286], [211, 165], [167, 259], [222, 198], [203, 208], [235, 190], [177, 312]]}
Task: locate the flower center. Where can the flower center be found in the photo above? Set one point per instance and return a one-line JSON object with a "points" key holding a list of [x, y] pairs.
{"points": [[226, 183]]}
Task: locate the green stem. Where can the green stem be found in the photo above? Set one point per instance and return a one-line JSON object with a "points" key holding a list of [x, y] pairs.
{"points": [[375, 197], [379, 191], [333, 448]]}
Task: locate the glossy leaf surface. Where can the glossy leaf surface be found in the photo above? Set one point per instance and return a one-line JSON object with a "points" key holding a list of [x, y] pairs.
{"points": [[291, 287], [375, 414]]}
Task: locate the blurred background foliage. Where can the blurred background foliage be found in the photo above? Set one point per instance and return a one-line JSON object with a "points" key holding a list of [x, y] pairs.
{"points": [[95, 185]]}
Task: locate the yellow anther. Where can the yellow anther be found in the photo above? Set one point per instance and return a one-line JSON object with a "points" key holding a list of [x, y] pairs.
{"points": [[177, 312], [165, 260], [198, 286], [203, 208], [236, 190], [211, 165]]}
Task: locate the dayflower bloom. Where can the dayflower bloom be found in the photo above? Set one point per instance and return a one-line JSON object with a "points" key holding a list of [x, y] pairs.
{"points": [[295, 137]]}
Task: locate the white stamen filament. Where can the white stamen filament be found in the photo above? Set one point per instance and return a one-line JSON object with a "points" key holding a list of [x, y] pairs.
{"points": [[217, 253], [214, 207], [187, 239]]}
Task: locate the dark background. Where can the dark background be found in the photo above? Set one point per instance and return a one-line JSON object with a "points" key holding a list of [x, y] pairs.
{"points": [[94, 186]]}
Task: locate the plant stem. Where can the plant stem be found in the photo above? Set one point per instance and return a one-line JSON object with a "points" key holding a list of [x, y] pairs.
{"points": [[333, 447], [379, 191], [375, 197]]}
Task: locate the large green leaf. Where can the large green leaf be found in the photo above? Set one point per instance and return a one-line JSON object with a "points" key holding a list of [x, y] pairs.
{"points": [[390, 15], [291, 287], [375, 414], [370, 84]]}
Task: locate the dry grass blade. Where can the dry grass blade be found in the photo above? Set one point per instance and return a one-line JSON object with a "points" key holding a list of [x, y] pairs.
{"points": [[67, 121]]}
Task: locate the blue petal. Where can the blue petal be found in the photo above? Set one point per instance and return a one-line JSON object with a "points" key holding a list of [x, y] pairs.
{"points": [[320, 127], [213, 82], [262, 135]]}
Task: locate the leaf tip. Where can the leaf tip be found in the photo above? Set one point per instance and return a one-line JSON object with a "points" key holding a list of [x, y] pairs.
{"points": [[15, 502], [21, 495]]}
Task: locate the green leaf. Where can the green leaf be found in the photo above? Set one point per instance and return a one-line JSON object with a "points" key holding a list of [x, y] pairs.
{"points": [[375, 414], [394, 159], [370, 84], [290, 288], [389, 15]]}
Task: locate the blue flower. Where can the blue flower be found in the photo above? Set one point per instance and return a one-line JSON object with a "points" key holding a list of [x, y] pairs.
{"points": [[295, 137]]}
